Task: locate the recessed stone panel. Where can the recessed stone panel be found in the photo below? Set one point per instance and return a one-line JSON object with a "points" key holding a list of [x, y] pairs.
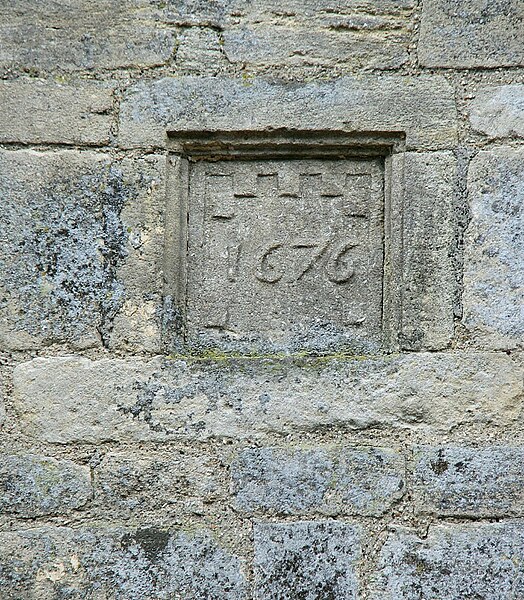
{"points": [[285, 252]]}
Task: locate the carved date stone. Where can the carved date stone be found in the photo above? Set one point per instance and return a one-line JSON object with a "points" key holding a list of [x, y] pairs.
{"points": [[284, 252]]}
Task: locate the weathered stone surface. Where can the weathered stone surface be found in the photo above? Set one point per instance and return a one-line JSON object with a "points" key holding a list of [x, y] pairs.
{"points": [[494, 246], [285, 255], [475, 33], [498, 111], [423, 107], [127, 483], [78, 228], [429, 245], [368, 14], [331, 481], [75, 399], [55, 562], [35, 111], [454, 561], [338, 42], [70, 37], [32, 485], [314, 560], [476, 482], [200, 52]]}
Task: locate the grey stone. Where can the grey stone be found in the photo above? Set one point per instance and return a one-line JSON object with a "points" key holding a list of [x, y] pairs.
{"points": [[494, 246], [331, 481], [35, 111], [68, 399], [32, 485], [200, 52], [453, 561], [312, 560], [459, 481], [129, 483], [498, 111], [429, 247], [68, 37], [476, 33], [78, 228], [423, 107], [303, 47], [227, 12], [121, 564], [285, 255]]}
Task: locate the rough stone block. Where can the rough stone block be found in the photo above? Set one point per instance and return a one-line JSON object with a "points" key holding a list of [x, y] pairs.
{"points": [[35, 111], [70, 37], [498, 111], [200, 52], [452, 562], [69, 399], [79, 228], [124, 564], [331, 481], [494, 246], [127, 483], [429, 246], [423, 107], [475, 482], [335, 45], [313, 560], [472, 33], [32, 486]]}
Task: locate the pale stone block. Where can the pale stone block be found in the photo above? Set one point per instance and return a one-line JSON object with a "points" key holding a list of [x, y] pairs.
{"points": [[331, 481], [498, 111], [472, 33], [494, 247], [69, 399], [465, 481], [35, 111], [423, 107], [453, 561]]}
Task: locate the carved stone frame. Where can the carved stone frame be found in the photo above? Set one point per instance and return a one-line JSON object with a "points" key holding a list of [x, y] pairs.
{"points": [[188, 146]]}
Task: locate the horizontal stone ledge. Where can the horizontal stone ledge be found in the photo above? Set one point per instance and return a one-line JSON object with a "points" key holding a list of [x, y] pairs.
{"points": [[74, 399], [422, 107]]}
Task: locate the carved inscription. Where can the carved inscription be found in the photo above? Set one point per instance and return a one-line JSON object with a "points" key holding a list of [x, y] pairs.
{"points": [[279, 247]]}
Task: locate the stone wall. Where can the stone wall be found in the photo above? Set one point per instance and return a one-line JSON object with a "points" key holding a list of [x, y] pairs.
{"points": [[154, 445]]}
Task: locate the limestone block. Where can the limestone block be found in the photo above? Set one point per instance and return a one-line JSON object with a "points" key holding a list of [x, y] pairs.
{"points": [[70, 399], [78, 230], [473, 33], [494, 247], [306, 559], [365, 15], [331, 481], [35, 111], [127, 483], [71, 37], [498, 111], [429, 245], [423, 107], [475, 482], [124, 564], [331, 46], [453, 561], [32, 485]]}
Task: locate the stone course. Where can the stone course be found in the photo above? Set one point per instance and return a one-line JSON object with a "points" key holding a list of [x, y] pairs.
{"points": [[261, 300]]}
